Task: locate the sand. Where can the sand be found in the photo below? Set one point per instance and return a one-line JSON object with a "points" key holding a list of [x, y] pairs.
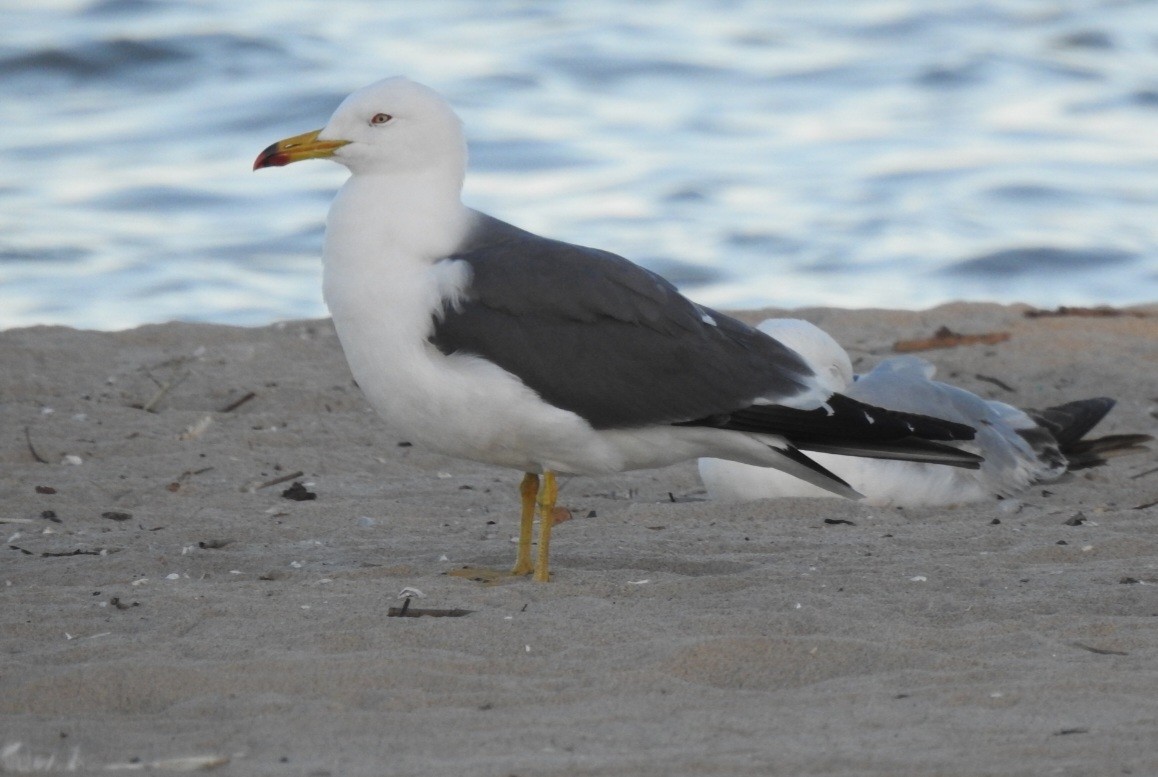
{"points": [[160, 603]]}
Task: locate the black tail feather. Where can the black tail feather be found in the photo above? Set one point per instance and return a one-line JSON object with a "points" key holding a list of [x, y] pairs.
{"points": [[1094, 452], [1069, 423]]}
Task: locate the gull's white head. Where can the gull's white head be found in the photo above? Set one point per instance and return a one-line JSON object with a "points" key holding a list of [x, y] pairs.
{"points": [[823, 354], [392, 126]]}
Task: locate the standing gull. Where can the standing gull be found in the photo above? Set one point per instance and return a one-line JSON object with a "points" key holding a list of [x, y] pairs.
{"points": [[486, 342], [1020, 447]]}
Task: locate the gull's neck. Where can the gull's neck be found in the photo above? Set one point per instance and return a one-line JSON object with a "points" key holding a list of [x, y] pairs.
{"points": [[416, 216], [381, 281]]}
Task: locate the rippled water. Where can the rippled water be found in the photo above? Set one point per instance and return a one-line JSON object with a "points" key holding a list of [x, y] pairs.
{"points": [[845, 153]]}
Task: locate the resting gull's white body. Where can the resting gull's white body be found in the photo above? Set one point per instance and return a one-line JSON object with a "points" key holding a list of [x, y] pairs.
{"points": [[901, 383]]}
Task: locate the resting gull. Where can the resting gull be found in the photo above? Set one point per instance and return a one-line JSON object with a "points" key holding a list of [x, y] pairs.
{"points": [[1019, 447], [483, 341]]}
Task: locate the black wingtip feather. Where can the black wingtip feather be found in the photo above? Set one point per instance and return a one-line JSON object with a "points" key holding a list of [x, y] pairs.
{"points": [[842, 419], [852, 428]]}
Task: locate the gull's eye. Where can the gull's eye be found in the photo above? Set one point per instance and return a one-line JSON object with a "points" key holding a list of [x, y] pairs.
{"points": [[381, 118]]}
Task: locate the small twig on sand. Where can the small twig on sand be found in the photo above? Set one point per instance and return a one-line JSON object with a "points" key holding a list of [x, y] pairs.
{"points": [[192, 763], [996, 382], [1100, 651], [165, 388], [274, 482], [417, 612], [181, 479], [31, 448], [237, 403]]}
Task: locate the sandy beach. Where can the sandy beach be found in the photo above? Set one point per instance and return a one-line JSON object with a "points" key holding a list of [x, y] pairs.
{"points": [[167, 604]]}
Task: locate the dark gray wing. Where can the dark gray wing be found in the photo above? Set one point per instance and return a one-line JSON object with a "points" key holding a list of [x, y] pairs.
{"points": [[592, 333]]}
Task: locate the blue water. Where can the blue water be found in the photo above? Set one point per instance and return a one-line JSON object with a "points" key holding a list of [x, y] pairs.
{"points": [[875, 153]]}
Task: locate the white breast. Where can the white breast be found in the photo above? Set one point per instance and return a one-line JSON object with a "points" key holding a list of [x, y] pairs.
{"points": [[382, 283]]}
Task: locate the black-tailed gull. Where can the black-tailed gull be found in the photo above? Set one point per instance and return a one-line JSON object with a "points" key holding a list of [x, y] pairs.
{"points": [[483, 341], [1019, 447]]}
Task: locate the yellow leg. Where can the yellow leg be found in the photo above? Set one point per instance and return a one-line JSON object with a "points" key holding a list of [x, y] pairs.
{"points": [[528, 490], [547, 496]]}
